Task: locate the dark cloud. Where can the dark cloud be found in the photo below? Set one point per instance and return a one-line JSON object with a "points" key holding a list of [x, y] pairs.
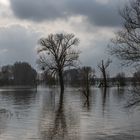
{"points": [[38, 10], [17, 44], [97, 13]]}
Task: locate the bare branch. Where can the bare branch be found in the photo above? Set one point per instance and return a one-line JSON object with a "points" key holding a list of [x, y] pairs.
{"points": [[56, 53], [126, 44]]}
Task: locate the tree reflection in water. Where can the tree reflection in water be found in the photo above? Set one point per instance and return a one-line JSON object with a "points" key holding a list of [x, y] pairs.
{"points": [[86, 97], [5, 115], [104, 92], [119, 94], [58, 125]]}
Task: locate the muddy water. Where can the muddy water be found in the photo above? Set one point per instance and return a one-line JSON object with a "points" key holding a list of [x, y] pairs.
{"points": [[30, 114]]}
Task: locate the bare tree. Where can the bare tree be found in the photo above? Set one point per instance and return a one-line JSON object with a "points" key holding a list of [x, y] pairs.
{"points": [[56, 53], [103, 67], [120, 79], [126, 44], [87, 73], [86, 76]]}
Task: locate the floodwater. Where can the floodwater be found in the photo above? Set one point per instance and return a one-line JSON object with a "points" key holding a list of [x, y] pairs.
{"points": [[40, 114]]}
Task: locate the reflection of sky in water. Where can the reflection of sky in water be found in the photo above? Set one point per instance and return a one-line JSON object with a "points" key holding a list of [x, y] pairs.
{"points": [[41, 114]]}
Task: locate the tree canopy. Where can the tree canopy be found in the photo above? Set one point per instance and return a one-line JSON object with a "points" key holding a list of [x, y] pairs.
{"points": [[21, 73]]}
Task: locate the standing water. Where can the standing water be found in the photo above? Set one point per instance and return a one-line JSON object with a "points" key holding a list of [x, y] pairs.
{"points": [[30, 114]]}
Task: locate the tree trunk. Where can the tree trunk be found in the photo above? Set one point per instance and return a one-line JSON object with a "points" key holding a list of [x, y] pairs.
{"points": [[104, 74], [61, 81], [87, 83]]}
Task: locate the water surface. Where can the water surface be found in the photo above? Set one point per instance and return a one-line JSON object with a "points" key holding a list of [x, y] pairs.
{"points": [[30, 114]]}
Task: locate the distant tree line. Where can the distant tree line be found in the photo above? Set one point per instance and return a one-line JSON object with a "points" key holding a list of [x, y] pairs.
{"points": [[86, 76], [21, 73], [74, 77]]}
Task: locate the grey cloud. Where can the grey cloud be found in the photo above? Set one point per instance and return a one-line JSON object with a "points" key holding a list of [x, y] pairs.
{"points": [[96, 13], [37, 10], [17, 44]]}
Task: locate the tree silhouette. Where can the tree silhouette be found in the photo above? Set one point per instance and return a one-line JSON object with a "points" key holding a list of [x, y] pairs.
{"points": [[56, 53], [103, 67], [86, 73], [126, 44]]}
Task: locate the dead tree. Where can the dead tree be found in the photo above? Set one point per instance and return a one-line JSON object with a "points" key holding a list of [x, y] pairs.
{"points": [[56, 53], [87, 73], [103, 67]]}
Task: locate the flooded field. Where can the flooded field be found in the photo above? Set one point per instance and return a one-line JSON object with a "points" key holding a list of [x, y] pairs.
{"points": [[40, 114]]}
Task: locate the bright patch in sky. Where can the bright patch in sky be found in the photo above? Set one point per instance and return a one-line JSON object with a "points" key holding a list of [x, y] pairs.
{"points": [[3, 51], [5, 2], [103, 1]]}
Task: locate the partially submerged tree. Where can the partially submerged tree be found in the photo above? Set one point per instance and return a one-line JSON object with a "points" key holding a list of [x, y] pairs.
{"points": [[56, 53], [120, 79], [87, 73], [49, 79], [72, 76], [103, 68], [126, 44], [86, 76]]}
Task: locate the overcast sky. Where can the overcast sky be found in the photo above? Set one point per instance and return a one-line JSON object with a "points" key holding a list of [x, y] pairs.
{"points": [[23, 22]]}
